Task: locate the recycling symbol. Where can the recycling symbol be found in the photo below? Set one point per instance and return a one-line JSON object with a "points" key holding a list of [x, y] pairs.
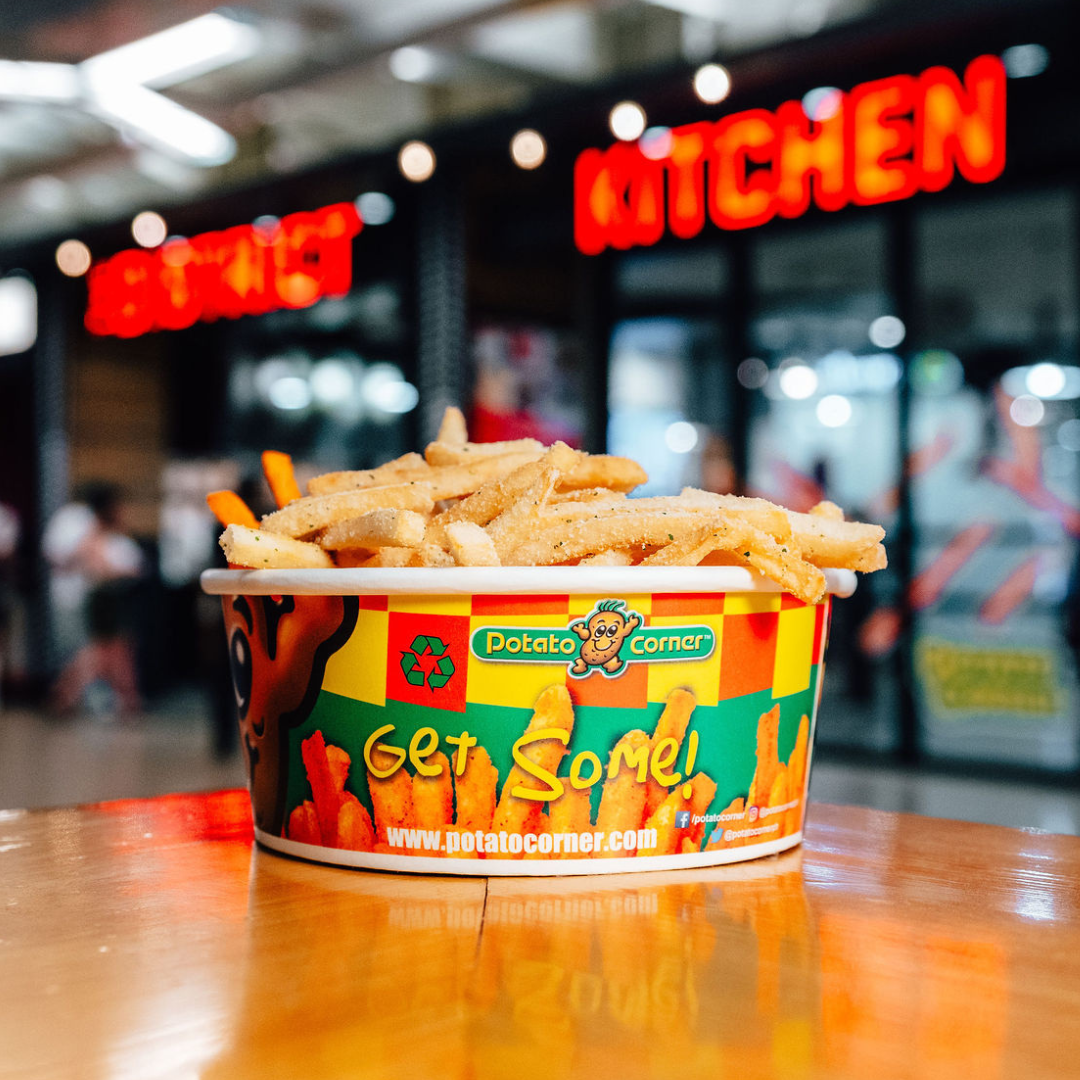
{"points": [[440, 673]]}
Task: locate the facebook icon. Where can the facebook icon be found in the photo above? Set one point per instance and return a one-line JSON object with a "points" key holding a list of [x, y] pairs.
{"points": [[682, 819]]}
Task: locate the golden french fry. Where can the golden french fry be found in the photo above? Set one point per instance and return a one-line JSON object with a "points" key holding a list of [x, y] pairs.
{"points": [[797, 762], [389, 527], [670, 838], [431, 555], [311, 514], [671, 725], [611, 557], [605, 471], [433, 796], [516, 813], [453, 430], [827, 509], [826, 542], [622, 803], [475, 789], [446, 453], [402, 470], [386, 558], [470, 545], [513, 524], [266, 551], [590, 495], [498, 494]]}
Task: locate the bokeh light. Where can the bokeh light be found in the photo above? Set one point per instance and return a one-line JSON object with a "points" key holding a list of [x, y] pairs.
{"points": [[528, 149], [627, 121], [73, 258], [416, 160], [149, 229]]}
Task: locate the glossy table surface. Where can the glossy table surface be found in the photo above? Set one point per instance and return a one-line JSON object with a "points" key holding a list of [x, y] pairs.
{"points": [[151, 939]]}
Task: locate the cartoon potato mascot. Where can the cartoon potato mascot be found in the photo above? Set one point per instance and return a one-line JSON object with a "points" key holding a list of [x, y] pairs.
{"points": [[602, 637]]}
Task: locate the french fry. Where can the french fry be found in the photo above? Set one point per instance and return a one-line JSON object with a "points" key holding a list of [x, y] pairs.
{"points": [[453, 430], [278, 470], [311, 514], [475, 789], [470, 545], [230, 509], [389, 527], [446, 453], [498, 494], [671, 725], [827, 542], [611, 557], [553, 711], [389, 558], [513, 523], [431, 555], [605, 471], [409, 468], [827, 509], [622, 802], [262, 550], [670, 838]]}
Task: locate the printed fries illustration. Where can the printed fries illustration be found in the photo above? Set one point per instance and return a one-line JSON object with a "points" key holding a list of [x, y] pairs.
{"points": [[455, 806]]}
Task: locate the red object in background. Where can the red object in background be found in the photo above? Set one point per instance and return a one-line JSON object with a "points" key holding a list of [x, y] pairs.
{"points": [[887, 140], [245, 270]]}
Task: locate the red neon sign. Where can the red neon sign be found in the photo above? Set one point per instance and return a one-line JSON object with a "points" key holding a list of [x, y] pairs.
{"points": [[887, 140], [246, 270]]}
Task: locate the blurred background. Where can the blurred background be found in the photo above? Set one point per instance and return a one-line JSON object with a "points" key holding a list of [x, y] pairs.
{"points": [[311, 224]]}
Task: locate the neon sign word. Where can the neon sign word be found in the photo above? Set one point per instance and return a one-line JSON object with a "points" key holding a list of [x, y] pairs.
{"points": [[887, 140], [245, 270]]}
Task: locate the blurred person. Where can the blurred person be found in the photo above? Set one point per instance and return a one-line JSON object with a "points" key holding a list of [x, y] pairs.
{"points": [[718, 472], [95, 566]]}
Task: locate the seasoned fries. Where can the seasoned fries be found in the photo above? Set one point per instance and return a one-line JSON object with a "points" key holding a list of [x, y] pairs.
{"points": [[520, 503]]}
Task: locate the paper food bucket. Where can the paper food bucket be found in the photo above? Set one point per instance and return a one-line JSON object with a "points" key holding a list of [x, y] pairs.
{"points": [[525, 720]]}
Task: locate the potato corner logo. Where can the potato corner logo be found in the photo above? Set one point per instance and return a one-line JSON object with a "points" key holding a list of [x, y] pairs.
{"points": [[412, 667], [607, 640]]}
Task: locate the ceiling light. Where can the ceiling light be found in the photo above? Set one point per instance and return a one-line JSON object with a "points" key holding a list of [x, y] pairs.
{"points": [[73, 258], [712, 83], [798, 381], [656, 143], [416, 160], [1045, 380], [149, 229], [528, 149], [180, 53], [31, 81], [1027, 411], [18, 314], [1025, 61], [833, 410], [627, 121], [159, 122], [887, 332], [822, 103], [290, 393], [413, 64], [753, 373], [375, 208], [681, 437]]}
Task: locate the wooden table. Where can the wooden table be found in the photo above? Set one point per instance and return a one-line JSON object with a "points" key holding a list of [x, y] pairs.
{"points": [[150, 939]]}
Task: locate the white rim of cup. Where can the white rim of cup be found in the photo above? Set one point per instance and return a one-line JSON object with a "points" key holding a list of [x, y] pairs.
{"points": [[509, 580]]}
